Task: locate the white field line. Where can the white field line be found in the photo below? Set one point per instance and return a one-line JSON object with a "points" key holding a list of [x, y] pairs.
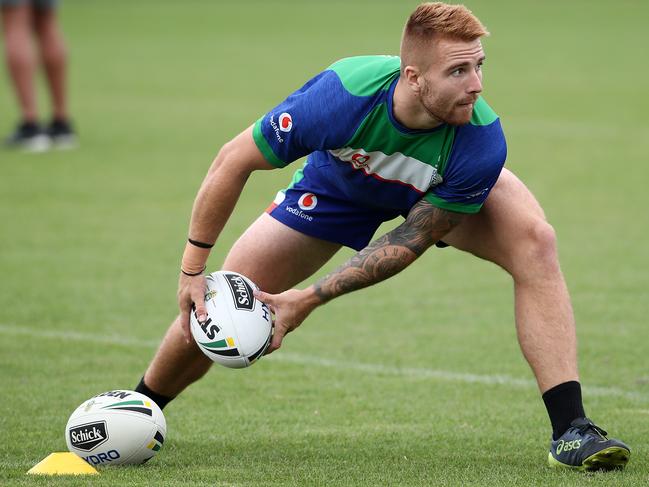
{"points": [[313, 361]]}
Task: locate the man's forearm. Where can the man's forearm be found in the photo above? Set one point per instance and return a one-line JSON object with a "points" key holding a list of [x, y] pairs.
{"points": [[214, 203], [389, 254], [373, 264], [223, 185]]}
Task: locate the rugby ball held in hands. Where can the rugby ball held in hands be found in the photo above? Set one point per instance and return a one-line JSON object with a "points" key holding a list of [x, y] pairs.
{"points": [[238, 327]]}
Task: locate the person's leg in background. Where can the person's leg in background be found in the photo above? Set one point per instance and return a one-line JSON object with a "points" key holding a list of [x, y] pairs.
{"points": [[22, 66], [54, 58]]}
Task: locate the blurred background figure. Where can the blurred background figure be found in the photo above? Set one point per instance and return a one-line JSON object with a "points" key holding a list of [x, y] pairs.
{"points": [[22, 22]]}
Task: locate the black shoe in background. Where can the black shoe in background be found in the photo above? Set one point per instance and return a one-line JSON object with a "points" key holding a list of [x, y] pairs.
{"points": [[30, 137], [61, 134]]}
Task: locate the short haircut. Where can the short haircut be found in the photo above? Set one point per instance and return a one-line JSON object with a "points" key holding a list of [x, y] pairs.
{"points": [[437, 19]]}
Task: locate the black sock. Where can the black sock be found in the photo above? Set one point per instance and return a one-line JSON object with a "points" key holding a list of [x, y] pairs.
{"points": [[159, 399], [563, 403]]}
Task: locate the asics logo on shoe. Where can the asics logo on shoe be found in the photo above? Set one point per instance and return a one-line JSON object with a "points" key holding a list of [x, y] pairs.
{"points": [[568, 445]]}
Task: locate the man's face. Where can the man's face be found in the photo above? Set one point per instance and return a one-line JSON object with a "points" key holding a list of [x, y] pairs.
{"points": [[453, 80]]}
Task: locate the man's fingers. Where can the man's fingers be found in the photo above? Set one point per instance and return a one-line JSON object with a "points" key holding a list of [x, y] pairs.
{"points": [[264, 297], [278, 335], [201, 312], [276, 342], [267, 299], [198, 304], [191, 301]]}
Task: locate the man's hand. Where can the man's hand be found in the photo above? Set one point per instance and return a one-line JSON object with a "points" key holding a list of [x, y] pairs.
{"points": [[290, 308], [191, 292]]}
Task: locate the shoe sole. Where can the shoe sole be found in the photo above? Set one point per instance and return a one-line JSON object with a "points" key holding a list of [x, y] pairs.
{"points": [[611, 458], [64, 142], [39, 143]]}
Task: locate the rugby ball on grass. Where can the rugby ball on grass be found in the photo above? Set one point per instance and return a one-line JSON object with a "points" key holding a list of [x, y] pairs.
{"points": [[116, 428], [238, 327]]}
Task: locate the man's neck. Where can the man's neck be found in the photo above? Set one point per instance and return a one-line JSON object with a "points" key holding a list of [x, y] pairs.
{"points": [[408, 111]]}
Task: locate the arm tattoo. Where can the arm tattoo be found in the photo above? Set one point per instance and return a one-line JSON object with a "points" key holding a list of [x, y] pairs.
{"points": [[391, 253]]}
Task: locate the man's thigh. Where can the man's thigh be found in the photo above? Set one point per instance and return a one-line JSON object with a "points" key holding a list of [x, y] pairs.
{"points": [[277, 257], [509, 213]]}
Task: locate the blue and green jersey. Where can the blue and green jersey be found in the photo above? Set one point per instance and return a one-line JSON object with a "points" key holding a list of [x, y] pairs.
{"points": [[342, 120]]}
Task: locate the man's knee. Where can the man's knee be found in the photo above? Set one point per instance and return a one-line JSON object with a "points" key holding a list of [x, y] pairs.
{"points": [[534, 251]]}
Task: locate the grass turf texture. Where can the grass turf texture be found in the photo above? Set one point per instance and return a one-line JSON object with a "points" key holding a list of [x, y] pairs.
{"points": [[417, 381]]}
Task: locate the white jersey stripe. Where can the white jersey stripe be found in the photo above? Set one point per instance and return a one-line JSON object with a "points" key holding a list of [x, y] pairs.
{"points": [[396, 167]]}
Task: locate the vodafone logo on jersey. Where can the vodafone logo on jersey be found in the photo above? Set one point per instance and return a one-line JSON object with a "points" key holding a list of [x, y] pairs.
{"points": [[285, 122], [307, 201], [359, 160]]}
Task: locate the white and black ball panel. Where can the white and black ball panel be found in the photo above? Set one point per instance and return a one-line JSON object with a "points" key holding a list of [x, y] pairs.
{"points": [[116, 428]]}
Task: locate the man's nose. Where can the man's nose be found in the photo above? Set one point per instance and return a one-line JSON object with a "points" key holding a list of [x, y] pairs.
{"points": [[475, 83]]}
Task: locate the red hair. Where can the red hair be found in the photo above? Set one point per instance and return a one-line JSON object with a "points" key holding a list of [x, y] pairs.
{"points": [[433, 19]]}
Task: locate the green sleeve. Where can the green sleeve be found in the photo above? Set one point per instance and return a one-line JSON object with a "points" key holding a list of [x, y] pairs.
{"points": [[264, 146]]}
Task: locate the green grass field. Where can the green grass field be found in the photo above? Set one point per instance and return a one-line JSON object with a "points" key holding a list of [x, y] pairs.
{"points": [[416, 381]]}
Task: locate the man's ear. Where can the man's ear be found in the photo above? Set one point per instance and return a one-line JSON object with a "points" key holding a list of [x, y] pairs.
{"points": [[412, 76]]}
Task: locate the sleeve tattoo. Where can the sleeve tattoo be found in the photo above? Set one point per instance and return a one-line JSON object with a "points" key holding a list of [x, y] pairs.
{"points": [[391, 253]]}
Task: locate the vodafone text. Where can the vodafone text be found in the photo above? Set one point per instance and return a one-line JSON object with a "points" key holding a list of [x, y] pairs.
{"points": [[299, 213]]}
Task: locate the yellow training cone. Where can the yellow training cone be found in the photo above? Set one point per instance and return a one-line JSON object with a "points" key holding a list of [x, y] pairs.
{"points": [[62, 464]]}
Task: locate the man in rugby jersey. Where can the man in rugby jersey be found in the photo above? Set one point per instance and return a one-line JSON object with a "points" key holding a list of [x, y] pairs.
{"points": [[389, 137]]}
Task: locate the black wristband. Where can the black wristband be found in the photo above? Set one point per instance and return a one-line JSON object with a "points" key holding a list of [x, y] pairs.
{"points": [[195, 274], [201, 245]]}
